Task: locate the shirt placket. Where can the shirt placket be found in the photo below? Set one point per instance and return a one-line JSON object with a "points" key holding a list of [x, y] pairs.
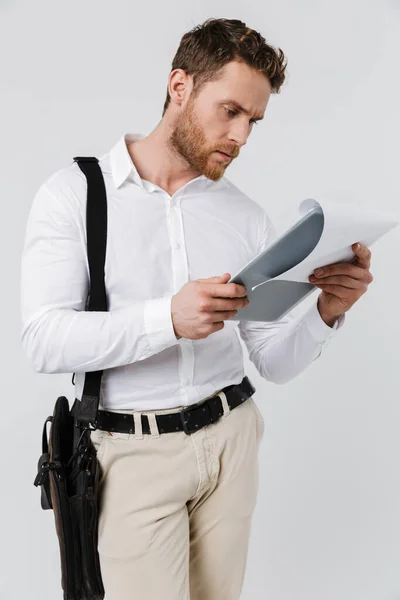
{"points": [[180, 272]]}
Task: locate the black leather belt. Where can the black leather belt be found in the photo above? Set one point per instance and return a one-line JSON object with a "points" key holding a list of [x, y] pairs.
{"points": [[189, 419]]}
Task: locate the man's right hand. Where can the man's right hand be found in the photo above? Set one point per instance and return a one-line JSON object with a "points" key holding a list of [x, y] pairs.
{"points": [[201, 306]]}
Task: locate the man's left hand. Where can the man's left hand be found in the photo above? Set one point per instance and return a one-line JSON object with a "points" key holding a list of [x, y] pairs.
{"points": [[342, 284]]}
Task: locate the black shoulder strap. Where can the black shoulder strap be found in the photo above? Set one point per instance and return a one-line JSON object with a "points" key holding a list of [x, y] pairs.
{"points": [[96, 231]]}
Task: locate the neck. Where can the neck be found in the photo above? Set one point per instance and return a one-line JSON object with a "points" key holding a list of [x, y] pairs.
{"points": [[158, 163]]}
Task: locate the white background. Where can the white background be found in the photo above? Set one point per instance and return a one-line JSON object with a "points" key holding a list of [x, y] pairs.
{"points": [[74, 77]]}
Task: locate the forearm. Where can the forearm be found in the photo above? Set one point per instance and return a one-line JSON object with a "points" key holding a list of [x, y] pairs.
{"points": [[70, 341], [281, 351]]}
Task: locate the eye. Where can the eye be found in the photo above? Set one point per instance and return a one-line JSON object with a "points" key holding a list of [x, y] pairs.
{"points": [[230, 112], [233, 113]]}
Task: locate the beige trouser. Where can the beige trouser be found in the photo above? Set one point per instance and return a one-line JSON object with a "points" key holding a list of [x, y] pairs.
{"points": [[175, 509]]}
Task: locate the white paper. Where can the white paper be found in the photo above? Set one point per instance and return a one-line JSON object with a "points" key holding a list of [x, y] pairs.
{"points": [[344, 225], [330, 242]]}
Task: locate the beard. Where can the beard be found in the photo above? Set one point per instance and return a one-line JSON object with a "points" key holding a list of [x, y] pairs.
{"points": [[188, 140]]}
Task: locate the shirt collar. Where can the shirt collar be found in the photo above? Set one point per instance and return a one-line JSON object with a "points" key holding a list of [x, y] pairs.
{"points": [[121, 162], [122, 165]]}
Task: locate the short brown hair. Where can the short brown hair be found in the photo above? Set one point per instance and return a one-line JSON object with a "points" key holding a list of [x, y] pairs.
{"points": [[207, 48]]}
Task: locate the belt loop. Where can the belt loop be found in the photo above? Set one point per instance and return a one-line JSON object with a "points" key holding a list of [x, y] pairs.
{"points": [[153, 424], [137, 416], [225, 404]]}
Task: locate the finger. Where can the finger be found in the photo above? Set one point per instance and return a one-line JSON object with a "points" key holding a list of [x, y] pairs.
{"points": [[336, 290], [216, 278], [350, 270], [218, 316], [363, 255], [224, 304], [343, 280], [226, 290]]}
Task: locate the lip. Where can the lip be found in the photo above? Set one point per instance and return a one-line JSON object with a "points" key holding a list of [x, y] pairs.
{"points": [[224, 156]]}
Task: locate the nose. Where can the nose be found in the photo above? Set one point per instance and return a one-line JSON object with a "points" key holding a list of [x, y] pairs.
{"points": [[239, 135]]}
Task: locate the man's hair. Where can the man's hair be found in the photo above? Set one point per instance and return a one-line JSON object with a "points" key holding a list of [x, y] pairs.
{"points": [[207, 48]]}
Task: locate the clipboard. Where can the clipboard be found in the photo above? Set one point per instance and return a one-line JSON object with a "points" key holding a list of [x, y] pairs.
{"points": [[274, 299], [277, 279]]}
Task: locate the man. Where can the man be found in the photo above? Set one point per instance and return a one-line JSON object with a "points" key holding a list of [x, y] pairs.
{"points": [[176, 505]]}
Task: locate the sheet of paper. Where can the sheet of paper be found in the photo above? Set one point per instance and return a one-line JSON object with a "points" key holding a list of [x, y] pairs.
{"points": [[344, 225], [274, 291]]}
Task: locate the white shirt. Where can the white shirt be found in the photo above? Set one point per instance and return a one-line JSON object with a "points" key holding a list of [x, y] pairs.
{"points": [[156, 243]]}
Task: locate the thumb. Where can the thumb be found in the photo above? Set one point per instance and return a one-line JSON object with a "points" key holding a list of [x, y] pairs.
{"points": [[221, 278]]}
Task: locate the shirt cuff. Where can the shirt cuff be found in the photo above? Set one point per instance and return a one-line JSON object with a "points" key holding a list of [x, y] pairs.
{"points": [[317, 326], [158, 323]]}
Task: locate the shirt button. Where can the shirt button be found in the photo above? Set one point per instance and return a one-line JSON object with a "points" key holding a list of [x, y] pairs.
{"points": [[176, 246]]}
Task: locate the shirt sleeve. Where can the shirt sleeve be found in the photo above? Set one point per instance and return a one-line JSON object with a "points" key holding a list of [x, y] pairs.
{"points": [[58, 335], [281, 350]]}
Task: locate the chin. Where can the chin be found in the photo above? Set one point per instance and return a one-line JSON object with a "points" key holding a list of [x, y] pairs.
{"points": [[214, 171], [213, 174]]}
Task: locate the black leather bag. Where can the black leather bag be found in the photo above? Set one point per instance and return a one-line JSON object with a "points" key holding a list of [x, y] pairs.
{"points": [[68, 470]]}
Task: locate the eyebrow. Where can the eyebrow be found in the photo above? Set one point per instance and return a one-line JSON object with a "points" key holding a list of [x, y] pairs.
{"points": [[241, 109]]}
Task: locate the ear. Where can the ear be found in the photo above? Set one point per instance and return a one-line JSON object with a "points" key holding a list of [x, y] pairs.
{"points": [[179, 85]]}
